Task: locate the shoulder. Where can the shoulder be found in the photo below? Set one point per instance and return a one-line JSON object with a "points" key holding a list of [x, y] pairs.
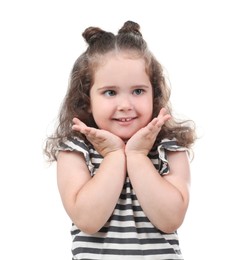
{"points": [[73, 144], [77, 148], [164, 149], [170, 145]]}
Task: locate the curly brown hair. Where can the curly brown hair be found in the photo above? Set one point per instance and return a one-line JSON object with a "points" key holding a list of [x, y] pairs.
{"points": [[77, 100]]}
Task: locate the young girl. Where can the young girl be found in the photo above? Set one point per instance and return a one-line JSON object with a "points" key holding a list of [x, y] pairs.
{"points": [[122, 159]]}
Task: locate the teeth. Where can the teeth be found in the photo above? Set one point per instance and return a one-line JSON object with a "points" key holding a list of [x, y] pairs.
{"points": [[125, 119]]}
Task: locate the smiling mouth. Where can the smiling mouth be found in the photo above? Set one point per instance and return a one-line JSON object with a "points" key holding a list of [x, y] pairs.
{"points": [[125, 119]]}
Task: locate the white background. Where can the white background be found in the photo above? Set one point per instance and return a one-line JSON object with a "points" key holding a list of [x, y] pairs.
{"points": [[198, 42]]}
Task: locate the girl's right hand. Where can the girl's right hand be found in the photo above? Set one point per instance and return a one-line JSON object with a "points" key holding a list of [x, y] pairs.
{"points": [[103, 141]]}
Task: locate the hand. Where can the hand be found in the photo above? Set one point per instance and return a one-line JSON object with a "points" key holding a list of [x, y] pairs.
{"points": [[103, 141], [143, 140]]}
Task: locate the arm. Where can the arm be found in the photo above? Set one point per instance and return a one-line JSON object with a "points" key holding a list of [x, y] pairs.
{"points": [[90, 201], [163, 199]]}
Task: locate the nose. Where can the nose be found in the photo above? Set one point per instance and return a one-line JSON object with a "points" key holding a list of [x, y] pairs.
{"points": [[125, 103]]}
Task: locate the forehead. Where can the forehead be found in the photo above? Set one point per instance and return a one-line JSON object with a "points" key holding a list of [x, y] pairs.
{"points": [[121, 64]]}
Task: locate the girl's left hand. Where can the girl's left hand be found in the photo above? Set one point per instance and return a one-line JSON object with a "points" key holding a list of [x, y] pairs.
{"points": [[143, 140]]}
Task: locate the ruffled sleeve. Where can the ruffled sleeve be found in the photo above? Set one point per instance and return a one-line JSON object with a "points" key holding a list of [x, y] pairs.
{"points": [[75, 144], [163, 147]]}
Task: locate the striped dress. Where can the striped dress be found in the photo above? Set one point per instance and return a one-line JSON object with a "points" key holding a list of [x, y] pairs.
{"points": [[128, 234]]}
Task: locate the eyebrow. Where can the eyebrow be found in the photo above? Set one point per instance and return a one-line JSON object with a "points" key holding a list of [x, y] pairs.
{"points": [[107, 87], [117, 87]]}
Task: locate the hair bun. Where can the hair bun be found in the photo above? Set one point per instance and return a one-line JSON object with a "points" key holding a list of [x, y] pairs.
{"points": [[130, 27], [91, 34]]}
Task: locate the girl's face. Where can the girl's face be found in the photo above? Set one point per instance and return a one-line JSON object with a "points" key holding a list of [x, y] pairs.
{"points": [[121, 97]]}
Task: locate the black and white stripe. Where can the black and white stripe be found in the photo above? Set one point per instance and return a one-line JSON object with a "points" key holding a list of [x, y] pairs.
{"points": [[128, 234]]}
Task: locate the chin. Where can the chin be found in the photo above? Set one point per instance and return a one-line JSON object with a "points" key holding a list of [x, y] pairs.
{"points": [[125, 139], [127, 136], [121, 136]]}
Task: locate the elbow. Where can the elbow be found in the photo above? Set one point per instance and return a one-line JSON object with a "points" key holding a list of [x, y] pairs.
{"points": [[87, 224], [170, 227], [172, 223], [87, 228]]}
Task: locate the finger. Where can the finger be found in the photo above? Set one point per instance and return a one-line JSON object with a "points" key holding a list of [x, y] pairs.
{"points": [[164, 115], [152, 124], [162, 112], [75, 127], [76, 120], [79, 125], [90, 132], [163, 120]]}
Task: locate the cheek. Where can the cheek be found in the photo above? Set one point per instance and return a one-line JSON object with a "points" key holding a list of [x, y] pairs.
{"points": [[147, 104], [98, 106], [100, 110], [94, 104], [97, 115]]}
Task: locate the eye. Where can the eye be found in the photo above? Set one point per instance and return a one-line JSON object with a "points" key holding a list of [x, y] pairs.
{"points": [[109, 93], [138, 91]]}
